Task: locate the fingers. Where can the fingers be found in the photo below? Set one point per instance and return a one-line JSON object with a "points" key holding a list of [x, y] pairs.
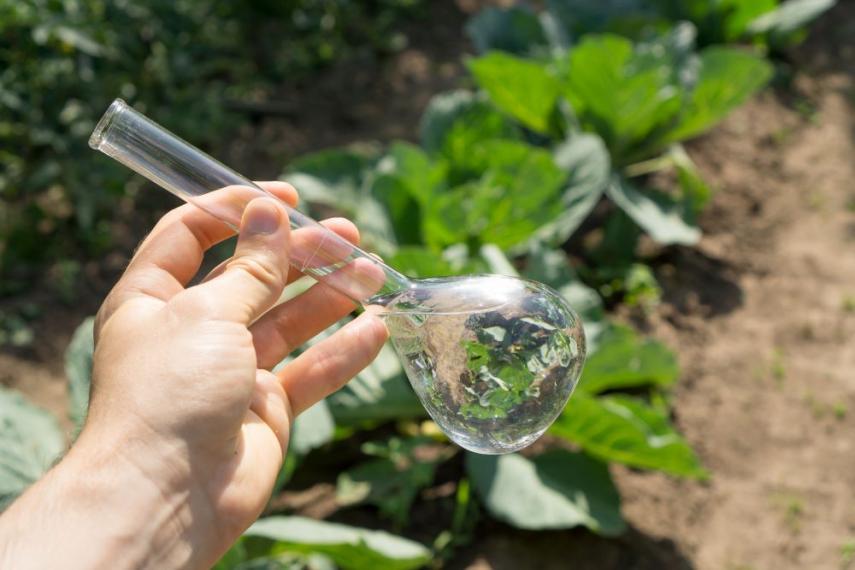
{"points": [[270, 403], [254, 278], [297, 320], [328, 365], [340, 226], [171, 254]]}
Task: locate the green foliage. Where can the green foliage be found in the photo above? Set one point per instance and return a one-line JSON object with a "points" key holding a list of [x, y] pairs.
{"points": [[184, 61], [519, 87], [30, 443], [557, 489], [403, 467], [273, 540], [624, 360], [626, 430], [768, 23], [622, 103], [78, 370]]}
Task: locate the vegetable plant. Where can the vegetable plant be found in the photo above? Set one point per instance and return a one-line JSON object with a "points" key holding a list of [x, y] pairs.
{"points": [[626, 107], [769, 24]]}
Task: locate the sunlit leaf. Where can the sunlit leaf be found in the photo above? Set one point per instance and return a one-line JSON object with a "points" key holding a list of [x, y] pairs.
{"points": [[30, 442], [659, 216], [625, 430], [351, 548], [78, 370], [727, 78], [625, 360], [525, 89], [557, 489]]}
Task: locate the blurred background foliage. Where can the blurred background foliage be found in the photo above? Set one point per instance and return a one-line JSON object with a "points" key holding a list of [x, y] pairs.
{"points": [[184, 61]]}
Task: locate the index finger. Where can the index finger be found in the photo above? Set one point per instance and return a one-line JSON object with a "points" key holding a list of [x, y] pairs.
{"points": [[170, 256]]}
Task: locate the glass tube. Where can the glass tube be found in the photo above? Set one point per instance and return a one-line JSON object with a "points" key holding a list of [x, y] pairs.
{"points": [[147, 148]]}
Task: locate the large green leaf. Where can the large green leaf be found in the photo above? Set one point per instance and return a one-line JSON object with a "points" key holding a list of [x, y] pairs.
{"points": [[311, 429], [625, 430], [659, 215], [727, 78], [557, 489], [515, 194], [351, 548], [78, 370], [30, 442], [621, 95], [456, 121], [525, 89], [406, 180], [624, 360], [514, 30], [586, 160], [420, 262]]}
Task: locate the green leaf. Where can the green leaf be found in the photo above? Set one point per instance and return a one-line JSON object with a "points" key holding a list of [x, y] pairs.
{"points": [[625, 360], [727, 78], [406, 180], [313, 428], [790, 16], [514, 196], [656, 213], [558, 489], [742, 13], [351, 548], [78, 370], [522, 88], [514, 30], [392, 482], [380, 392], [497, 261], [30, 442], [621, 95], [420, 262], [585, 158], [624, 430], [456, 121]]}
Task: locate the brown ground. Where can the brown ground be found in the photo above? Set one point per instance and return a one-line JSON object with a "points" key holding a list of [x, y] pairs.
{"points": [[761, 314]]}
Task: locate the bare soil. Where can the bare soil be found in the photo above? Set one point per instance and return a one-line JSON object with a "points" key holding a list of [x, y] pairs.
{"points": [[762, 315]]}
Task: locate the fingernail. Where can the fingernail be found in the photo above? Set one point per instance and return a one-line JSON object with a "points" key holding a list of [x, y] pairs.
{"points": [[261, 217]]}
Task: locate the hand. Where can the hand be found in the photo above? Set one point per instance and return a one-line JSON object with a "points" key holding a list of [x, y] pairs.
{"points": [[187, 425]]}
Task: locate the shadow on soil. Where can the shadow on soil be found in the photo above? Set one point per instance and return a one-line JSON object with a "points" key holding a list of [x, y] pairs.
{"points": [[503, 548]]}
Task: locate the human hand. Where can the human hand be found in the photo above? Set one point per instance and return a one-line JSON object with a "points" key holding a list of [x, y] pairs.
{"points": [[184, 410]]}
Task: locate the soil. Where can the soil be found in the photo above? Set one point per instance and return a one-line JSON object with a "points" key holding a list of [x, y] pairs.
{"points": [[761, 313]]}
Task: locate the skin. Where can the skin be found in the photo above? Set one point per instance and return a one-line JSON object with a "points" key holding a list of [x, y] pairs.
{"points": [[188, 427]]}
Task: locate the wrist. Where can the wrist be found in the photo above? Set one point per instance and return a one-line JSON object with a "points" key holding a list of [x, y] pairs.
{"points": [[100, 511]]}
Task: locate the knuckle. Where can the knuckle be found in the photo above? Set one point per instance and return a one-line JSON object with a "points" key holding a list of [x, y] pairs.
{"points": [[262, 268]]}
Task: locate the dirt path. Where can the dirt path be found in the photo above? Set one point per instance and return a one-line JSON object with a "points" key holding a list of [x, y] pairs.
{"points": [[768, 394]]}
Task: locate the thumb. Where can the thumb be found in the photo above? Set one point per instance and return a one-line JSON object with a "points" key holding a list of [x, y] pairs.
{"points": [[254, 278]]}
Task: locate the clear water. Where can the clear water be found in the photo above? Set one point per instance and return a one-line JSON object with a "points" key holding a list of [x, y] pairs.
{"points": [[493, 359]]}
